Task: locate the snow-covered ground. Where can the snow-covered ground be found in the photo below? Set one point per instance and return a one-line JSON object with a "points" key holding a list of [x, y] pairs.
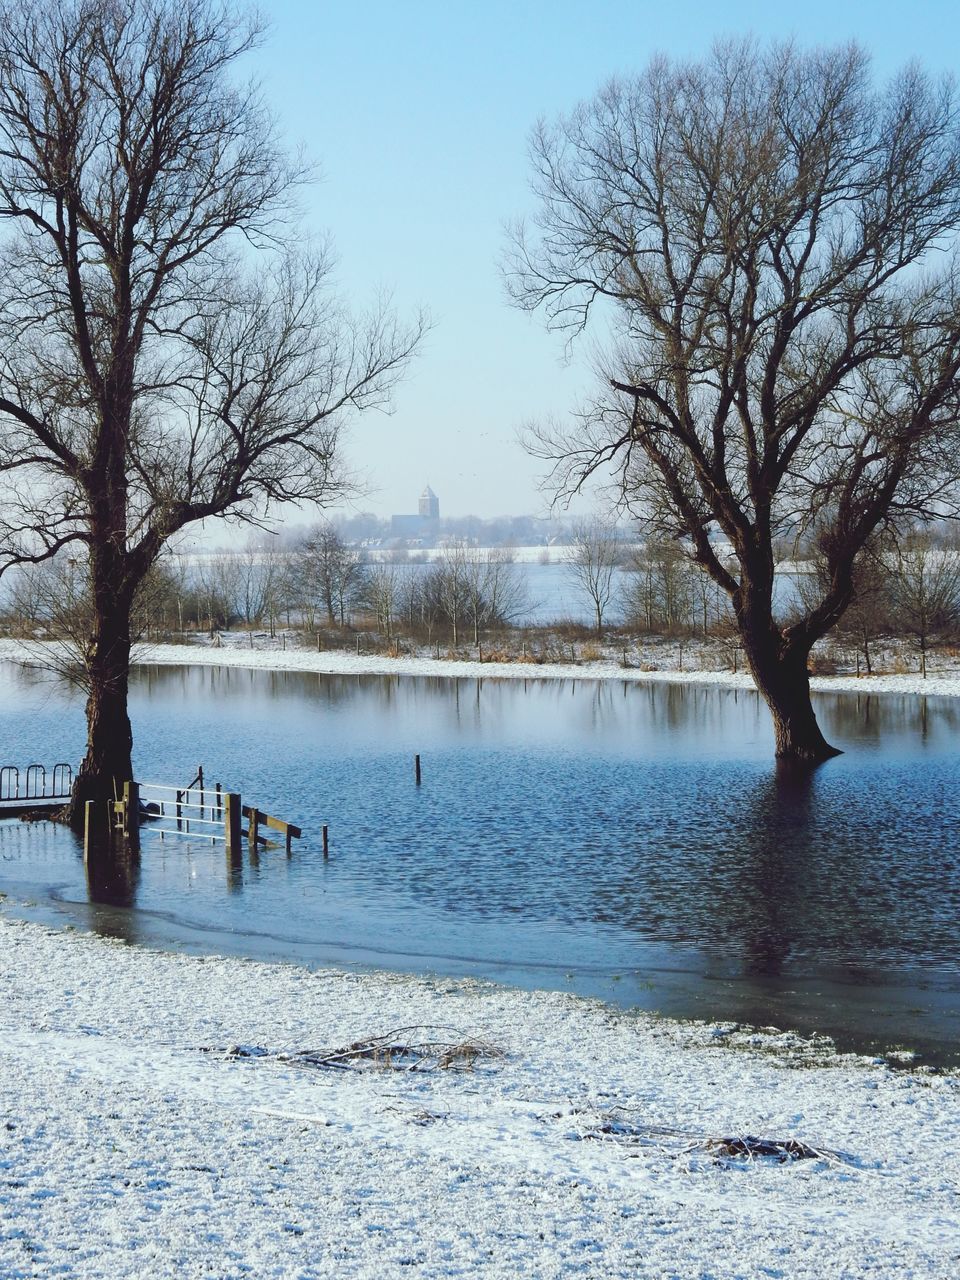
{"points": [[126, 1151], [652, 662]]}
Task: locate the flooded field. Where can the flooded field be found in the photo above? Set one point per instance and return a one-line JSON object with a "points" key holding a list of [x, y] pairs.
{"points": [[634, 842]]}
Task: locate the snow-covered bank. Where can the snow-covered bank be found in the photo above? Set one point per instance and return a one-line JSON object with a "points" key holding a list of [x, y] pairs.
{"points": [[270, 656], [126, 1151]]}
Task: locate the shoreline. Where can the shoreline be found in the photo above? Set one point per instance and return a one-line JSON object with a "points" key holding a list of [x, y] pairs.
{"points": [[136, 1145], [338, 662]]}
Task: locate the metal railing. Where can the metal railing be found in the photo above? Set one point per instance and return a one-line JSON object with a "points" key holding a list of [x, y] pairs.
{"points": [[36, 782], [195, 812], [181, 811]]}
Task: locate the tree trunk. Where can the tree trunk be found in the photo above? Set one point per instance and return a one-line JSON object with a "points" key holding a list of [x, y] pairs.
{"points": [[108, 762], [784, 682]]}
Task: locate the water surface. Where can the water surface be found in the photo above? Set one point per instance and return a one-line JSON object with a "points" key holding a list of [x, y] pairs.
{"points": [[631, 841]]}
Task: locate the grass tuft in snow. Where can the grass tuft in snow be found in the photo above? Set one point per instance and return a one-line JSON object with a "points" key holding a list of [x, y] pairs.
{"points": [[414, 1048]]}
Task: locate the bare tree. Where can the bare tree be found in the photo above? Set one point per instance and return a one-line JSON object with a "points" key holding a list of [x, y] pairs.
{"points": [[660, 587], [382, 587], [764, 231], [494, 592], [331, 572], [507, 598], [451, 579], [869, 611], [51, 602], [162, 359], [924, 585], [593, 559], [215, 590]]}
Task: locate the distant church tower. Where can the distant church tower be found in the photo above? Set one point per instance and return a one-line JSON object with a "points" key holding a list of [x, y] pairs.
{"points": [[429, 504]]}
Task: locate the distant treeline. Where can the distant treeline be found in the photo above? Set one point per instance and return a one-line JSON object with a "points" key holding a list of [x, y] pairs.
{"points": [[909, 588]]}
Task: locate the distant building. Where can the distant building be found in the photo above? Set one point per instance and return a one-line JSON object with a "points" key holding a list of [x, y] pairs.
{"points": [[423, 526], [429, 504]]}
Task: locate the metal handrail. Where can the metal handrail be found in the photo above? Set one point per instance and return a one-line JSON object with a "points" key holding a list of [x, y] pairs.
{"points": [[187, 804], [207, 822], [160, 786], [36, 782]]}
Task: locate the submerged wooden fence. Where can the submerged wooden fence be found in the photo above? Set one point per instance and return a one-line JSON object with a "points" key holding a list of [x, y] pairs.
{"points": [[194, 811]]}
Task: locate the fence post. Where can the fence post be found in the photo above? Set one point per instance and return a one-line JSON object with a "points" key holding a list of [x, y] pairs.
{"points": [[253, 828], [231, 825], [99, 829], [131, 815]]}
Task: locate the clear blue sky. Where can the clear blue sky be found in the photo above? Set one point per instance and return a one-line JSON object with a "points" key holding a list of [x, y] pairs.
{"points": [[418, 114]]}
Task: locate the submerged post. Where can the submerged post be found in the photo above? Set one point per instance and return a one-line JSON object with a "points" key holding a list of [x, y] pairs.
{"points": [[131, 816], [416, 766], [95, 830], [231, 822], [326, 843]]}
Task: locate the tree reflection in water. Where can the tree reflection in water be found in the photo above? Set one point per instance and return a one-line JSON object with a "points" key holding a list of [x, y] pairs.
{"points": [[574, 823]]}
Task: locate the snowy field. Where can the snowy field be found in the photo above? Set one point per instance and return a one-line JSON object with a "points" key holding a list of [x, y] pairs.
{"points": [[127, 1151], [270, 656]]}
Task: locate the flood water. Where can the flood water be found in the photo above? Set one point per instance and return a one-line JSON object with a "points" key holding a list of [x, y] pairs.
{"points": [[635, 842]]}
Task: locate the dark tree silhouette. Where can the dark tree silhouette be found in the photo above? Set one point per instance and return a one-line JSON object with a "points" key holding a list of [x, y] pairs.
{"points": [[770, 241], [163, 358]]}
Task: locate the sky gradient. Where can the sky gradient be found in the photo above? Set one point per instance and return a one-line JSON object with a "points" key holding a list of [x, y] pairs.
{"points": [[418, 116]]}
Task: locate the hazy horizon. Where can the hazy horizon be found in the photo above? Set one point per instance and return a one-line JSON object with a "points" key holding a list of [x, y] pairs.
{"points": [[418, 118]]}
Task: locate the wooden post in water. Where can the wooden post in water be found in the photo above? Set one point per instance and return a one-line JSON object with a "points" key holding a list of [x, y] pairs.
{"points": [[179, 810], [253, 829], [416, 765], [326, 843], [200, 780], [231, 822], [131, 816], [219, 795], [96, 830]]}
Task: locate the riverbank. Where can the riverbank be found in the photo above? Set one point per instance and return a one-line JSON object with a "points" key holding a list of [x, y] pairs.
{"points": [[130, 1149], [655, 663]]}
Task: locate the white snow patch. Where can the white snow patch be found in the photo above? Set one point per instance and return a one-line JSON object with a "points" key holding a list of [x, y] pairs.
{"points": [[126, 1151]]}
